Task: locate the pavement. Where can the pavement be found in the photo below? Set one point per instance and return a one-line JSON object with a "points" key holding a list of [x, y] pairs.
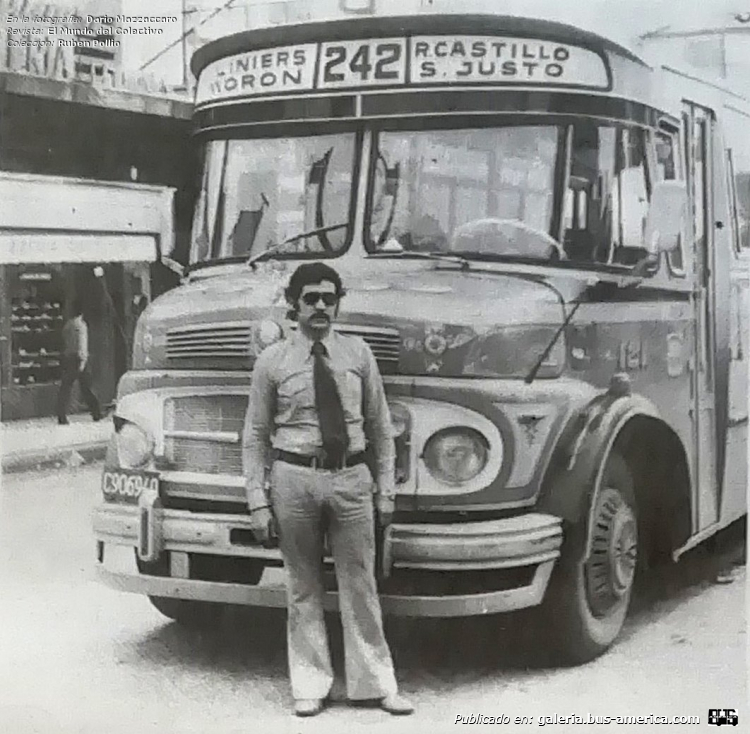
{"points": [[41, 443]]}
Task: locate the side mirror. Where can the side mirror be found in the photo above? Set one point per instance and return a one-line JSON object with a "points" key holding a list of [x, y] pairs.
{"points": [[667, 216]]}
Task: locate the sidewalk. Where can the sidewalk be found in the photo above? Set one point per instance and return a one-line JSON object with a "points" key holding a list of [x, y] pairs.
{"points": [[41, 443]]}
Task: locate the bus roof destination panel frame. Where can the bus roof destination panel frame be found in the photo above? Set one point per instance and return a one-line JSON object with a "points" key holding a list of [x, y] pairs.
{"points": [[378, 27], [491, 54]]}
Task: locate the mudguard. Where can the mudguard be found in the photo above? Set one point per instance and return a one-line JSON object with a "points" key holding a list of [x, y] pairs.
{"points": [[582, 450]]}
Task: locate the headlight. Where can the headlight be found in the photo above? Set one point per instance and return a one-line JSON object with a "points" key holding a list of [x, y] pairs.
{"points": [[135, 447], [456, 455], [264, 334]]}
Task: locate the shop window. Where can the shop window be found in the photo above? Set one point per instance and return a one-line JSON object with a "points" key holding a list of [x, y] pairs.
{"points": [[36, 327]]}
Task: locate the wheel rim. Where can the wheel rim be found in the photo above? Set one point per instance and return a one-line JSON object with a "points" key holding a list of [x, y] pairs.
{"points": [[611, 562]]}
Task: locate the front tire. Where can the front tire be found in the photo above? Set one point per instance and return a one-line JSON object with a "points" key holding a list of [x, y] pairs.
{"points": [[589, 594]]}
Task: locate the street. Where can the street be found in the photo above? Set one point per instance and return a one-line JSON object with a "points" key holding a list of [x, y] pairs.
{"points": [[79, 657]]}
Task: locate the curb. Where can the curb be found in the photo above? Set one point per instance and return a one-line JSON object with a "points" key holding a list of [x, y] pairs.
{"points": [[64, 456]]}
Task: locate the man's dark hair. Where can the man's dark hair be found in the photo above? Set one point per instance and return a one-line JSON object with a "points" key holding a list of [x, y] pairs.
{"points": [[307, 274], [78, 306]]}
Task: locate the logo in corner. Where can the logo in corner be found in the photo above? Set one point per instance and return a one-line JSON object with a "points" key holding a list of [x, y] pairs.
{"points": [[717, 717]]}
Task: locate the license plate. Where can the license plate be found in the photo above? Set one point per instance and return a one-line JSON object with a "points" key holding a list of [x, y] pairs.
{"points": [[126, 485]]}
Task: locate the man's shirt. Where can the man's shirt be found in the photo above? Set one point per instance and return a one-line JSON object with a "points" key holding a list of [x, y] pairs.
{"points": [[75, 338], [281, 412]]}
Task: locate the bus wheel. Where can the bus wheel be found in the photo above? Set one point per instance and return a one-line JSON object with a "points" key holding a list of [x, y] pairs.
{"points": [[590, 591]]}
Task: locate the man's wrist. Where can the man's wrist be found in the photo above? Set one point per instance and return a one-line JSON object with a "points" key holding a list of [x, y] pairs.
{"points": [[386, 491]]}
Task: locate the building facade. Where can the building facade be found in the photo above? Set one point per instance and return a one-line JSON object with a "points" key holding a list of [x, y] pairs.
{"points": [[84, 163]]}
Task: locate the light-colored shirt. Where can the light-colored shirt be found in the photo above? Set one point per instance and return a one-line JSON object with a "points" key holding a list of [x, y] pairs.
{"points": [[75, 338], [281, 412]]}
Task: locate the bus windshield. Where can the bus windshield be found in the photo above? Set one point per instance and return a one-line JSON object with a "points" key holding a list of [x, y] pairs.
{"points": [[448, 190], [576, 193], [256, 193]]}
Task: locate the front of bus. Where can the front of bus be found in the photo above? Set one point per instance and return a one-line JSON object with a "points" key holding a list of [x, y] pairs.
{"points": [[465, 176]]}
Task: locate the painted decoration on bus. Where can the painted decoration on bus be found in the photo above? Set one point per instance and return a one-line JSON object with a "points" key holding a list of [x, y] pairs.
{"points": [[397, 62]]}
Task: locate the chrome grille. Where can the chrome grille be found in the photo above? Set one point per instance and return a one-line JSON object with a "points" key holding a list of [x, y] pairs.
{"points": [[234, 341], [200, 415], [209, 341], [383, 342]]}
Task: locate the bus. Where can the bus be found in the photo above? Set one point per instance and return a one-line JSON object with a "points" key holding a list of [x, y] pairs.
{"points": [[545, 243]]}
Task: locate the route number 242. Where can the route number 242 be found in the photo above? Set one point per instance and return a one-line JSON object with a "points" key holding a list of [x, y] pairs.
{"points": [[357, 64]]}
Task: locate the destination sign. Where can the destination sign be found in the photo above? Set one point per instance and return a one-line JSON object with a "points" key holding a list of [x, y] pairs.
{"points": [[420, 61]]}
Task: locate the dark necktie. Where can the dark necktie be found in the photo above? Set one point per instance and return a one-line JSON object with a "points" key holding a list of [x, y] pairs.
{"points": [[329, 407]]}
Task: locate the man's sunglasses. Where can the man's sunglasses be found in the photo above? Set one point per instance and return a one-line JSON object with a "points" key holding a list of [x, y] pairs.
{"points": [[312, 298]]}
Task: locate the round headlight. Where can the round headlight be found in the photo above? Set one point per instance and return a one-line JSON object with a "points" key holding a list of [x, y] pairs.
{"points": [[456, 455], [267, 332], [135, 447]]}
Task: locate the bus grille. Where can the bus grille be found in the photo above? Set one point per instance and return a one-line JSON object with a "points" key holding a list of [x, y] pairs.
{"points": [[220, 415], [384, 343], [209, 341], [234, 342]]}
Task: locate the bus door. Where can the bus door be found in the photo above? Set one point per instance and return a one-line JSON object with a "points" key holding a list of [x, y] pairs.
{"points": [[698, 122]]}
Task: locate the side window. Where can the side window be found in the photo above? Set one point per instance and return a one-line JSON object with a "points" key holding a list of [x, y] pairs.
{"points": [[607, 194], [588, 213], [742, 185], [732, 189], [668, 169], [633, 194], [666, 156]]}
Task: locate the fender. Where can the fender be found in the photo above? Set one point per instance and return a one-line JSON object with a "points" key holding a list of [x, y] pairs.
{"points": [[584, 445]]}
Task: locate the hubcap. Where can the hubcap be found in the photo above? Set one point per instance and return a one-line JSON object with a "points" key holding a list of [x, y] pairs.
{"points": [[610, 566]]}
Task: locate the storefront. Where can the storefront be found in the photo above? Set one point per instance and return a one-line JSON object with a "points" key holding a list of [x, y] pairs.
{"points": [[63, 242]]}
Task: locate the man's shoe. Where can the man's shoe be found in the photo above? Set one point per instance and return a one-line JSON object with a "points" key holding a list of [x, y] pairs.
{"points": [[396, 705], [308, 706]]}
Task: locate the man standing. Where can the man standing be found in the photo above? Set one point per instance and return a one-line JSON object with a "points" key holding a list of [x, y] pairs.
{"points": [[75, 362], [316, 401]]}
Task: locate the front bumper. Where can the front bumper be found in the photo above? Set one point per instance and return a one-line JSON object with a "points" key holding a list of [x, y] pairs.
{"points": [[531, 542]]}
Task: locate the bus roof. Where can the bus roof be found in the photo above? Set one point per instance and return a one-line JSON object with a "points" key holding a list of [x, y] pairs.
{"points": [[374, 27]]}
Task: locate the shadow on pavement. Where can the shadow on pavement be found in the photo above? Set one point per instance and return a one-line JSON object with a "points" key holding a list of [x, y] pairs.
{"points": [[437, 654]]}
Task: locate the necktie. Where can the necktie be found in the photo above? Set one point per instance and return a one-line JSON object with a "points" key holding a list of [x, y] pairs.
{"points": [[329, 407]]}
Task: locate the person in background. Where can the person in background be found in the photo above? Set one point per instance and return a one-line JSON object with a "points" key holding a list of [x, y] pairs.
{"points": [[316, 402], [75, 365]]}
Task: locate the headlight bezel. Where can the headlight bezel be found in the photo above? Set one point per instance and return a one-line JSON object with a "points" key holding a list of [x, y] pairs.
{"points": [[131, 455], [456, 438]]}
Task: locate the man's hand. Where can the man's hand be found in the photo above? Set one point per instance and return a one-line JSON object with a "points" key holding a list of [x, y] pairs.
{"points": [[385, 505], [262, 524]]}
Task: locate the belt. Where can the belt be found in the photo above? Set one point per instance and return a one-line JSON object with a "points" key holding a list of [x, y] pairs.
{"points": [[318, 462]]}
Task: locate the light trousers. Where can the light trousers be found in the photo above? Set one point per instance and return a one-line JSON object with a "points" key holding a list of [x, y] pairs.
{"points": [[308, 505]]}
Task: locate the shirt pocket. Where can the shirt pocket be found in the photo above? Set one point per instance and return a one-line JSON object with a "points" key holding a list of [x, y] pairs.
{"points": [[296, 392], [350, 383]]}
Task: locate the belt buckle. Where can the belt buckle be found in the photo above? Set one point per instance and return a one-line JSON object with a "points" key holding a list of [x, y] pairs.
{"points": [[322, 460]]}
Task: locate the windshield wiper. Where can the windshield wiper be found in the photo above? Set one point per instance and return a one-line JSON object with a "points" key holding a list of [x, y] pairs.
{"points": [[273, 249], [439, 257]]}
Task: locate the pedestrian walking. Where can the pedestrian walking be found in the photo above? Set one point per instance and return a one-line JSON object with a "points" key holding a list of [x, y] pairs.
{"points": [[317, 402], [75, 366]]}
